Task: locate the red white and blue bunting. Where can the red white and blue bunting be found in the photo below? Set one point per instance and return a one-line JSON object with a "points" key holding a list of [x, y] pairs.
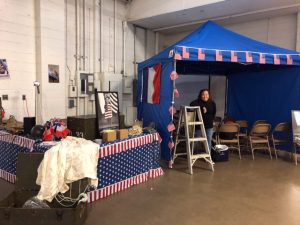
{"points": [[18, 140], [205, 54]]}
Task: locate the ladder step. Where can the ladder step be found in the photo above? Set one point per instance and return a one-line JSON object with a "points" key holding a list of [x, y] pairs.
{"points": [[194, 123], [187, 117], [179, 154], [192, 107], [197, 139], [200, 156]]}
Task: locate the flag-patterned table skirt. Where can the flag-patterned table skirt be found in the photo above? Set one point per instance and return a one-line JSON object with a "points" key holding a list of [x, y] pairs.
{"points": [[121, 164]]}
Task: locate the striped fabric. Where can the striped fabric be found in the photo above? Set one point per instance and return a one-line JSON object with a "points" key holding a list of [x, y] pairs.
{"points": [[224, 55], [8, 176], [114, 102], [121, 146], [18, 140], [10, 146], [108, 111], [122, 185], [121, 164]]}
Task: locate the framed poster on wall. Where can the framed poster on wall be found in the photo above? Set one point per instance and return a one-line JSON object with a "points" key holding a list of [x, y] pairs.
{"points": [[107, 110], [3, 68], [53, 73]]}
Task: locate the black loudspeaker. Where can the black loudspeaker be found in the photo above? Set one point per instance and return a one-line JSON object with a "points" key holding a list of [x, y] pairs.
{"points": [[29, 123]]}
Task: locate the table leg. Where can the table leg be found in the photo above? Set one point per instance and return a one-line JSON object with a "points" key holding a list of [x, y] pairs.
{"points": [[295, 152]]}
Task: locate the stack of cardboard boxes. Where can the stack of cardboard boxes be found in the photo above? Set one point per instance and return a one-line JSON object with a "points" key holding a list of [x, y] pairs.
{"points": [[112, 135]]}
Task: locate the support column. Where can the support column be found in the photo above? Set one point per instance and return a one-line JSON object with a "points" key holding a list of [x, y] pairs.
{"points": [[298, 33], [50, 50]]}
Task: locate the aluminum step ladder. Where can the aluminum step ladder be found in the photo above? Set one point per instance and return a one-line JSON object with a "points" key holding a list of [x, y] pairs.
{"points": [[187, 119]]}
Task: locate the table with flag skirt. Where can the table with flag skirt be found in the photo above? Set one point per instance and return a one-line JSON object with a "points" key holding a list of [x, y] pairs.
{"points": [[121, 164], [10, 146]]}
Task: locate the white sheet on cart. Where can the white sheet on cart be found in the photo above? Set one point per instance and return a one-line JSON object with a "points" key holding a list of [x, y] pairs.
{"points": [[70, 160]]}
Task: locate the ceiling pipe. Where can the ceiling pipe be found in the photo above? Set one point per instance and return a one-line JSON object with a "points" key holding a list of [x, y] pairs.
{"points": [[297, 45], [76, 35], [100, 35], [146, 44], [89, 42], [66, 57], [83, 35], [156, 42], [134, 51], [76, 54], [79, 36], [134, 46], [124, 26]]}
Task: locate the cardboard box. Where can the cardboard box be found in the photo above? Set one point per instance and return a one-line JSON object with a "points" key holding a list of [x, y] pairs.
{"points": [[122, 134], [109, 135]]}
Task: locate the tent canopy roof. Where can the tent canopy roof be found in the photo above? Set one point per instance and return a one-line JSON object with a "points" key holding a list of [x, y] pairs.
{"points": [[213, 49], [214, 36]]}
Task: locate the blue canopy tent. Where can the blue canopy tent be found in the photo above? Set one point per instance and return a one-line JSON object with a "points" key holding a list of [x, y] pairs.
{"points": [[263, 80]]}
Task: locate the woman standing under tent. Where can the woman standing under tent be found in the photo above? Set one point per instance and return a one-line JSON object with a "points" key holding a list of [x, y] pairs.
{"points": [[208, 111]]}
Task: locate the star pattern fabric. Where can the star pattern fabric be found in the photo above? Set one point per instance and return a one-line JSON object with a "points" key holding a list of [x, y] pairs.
{"points": [[10, 146], [118, 167], [121, 164]]}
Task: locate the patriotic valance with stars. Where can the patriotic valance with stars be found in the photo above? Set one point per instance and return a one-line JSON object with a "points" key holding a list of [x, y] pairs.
{"points": [[217, 55]]}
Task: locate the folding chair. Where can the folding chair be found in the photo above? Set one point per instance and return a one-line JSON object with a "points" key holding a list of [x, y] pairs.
{"points": [[259, 139], [229, 135], [281, 135]]}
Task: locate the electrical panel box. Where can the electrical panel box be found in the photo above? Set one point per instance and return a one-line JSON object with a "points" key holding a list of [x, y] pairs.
{"points": [[72, 91], [71, 103], [85, 83], [127, 85]]}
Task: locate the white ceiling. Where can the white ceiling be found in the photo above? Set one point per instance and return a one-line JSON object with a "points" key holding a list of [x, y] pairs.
{"points": [[226, 12]]}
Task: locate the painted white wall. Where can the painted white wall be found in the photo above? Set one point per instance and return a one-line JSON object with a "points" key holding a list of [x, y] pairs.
{"points": [[17, 34], [143, 8], [34, 34], [280, 31]]}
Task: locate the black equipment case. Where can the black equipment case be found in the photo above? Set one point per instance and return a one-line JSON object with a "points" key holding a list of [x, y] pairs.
{"points": [[82, 126], [12, 213]]}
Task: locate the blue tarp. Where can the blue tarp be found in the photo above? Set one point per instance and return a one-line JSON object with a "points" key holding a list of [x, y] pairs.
{"points": [[213, 49]]}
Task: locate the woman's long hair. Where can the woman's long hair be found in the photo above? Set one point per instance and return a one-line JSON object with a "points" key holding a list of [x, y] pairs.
{"points": [[200, 93]]}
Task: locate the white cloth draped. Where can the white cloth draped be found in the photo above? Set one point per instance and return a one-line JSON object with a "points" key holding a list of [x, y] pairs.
{"points": [[70, 160]]}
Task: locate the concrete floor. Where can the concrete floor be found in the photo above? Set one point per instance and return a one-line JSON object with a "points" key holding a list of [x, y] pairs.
{"points": [[242, 192]]}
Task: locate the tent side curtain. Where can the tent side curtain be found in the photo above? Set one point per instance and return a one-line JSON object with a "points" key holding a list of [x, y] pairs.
{"points": [[266, 95], [186, 53], [157, 113]]}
